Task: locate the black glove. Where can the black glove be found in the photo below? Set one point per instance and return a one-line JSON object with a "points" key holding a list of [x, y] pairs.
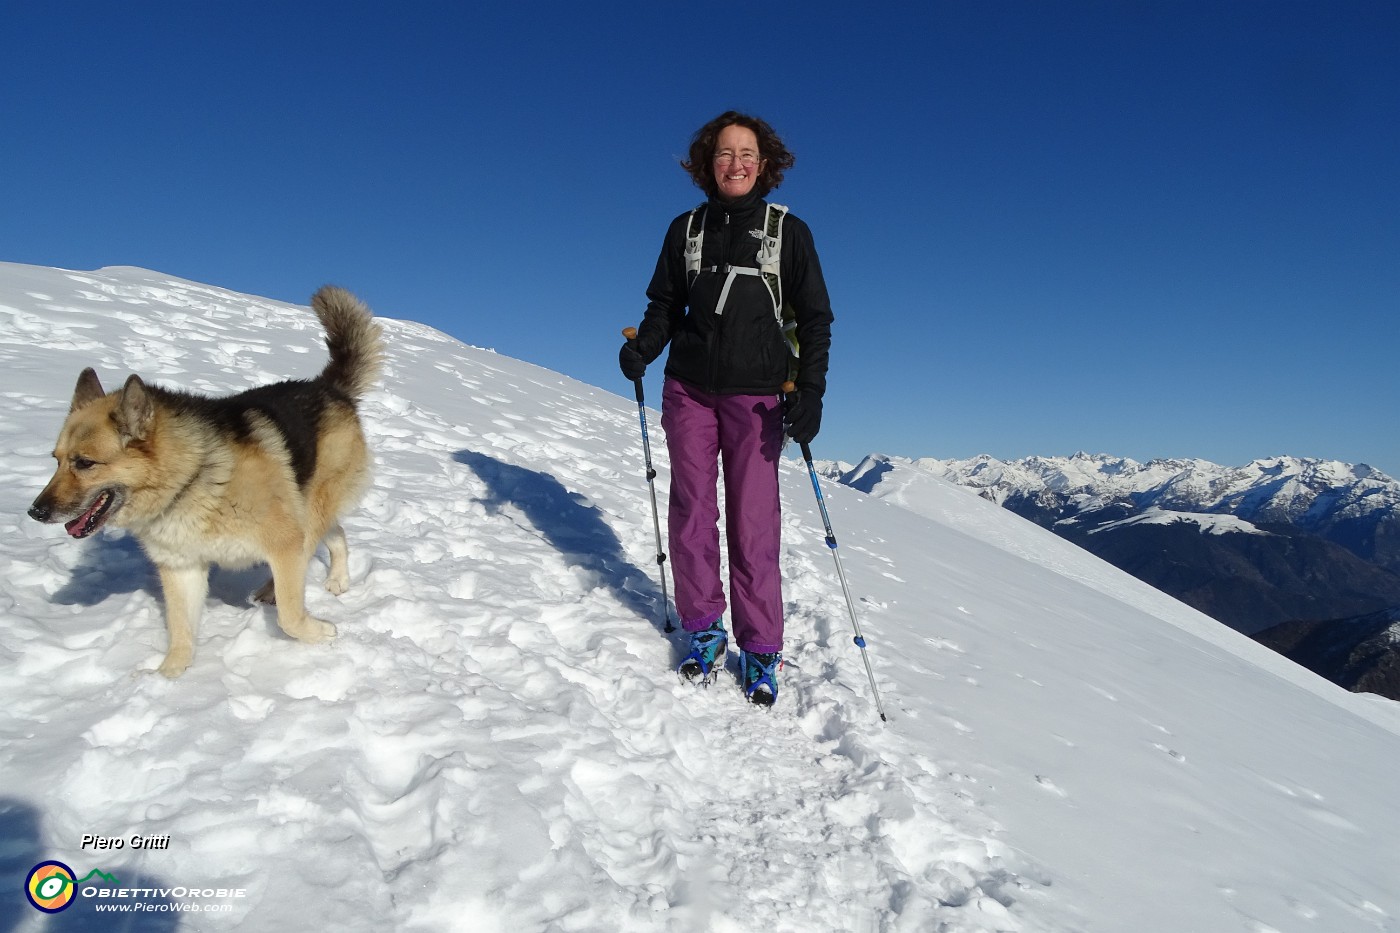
{"points": [[633, 366], [802, 410]]}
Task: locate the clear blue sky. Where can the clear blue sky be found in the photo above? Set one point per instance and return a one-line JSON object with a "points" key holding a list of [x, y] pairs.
{"points": [[1147, 229]]}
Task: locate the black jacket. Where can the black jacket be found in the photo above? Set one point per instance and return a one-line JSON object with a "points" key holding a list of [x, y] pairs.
{"points": [[742, 351]]}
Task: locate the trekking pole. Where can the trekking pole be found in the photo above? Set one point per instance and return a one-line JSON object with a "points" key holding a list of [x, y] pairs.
{"points": [[630, 334], [789, 388]]}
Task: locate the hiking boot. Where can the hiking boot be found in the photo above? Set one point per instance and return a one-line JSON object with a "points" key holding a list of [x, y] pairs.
{"points": [[706, 656], [759, 675]]}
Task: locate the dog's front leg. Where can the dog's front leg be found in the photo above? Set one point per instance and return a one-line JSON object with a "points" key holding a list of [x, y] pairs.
{"points": [[289, 582], [184, 589], [338, 579]]}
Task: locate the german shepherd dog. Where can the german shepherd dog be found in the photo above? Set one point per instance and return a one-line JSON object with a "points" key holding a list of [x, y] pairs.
{"points": [[261, 476]]}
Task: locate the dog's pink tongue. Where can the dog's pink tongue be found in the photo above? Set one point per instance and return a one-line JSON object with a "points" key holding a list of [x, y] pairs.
{"points": [[78, 526]]}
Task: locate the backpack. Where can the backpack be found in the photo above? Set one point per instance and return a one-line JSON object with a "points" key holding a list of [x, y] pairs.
{"points": [[769, 261]]}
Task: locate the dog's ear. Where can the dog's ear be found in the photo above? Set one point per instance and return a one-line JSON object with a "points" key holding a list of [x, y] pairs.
{"points": [[134, 410], [89, 389]]}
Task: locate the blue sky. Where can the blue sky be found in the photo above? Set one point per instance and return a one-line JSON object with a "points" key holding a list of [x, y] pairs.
{"points": [[1166, 229]]}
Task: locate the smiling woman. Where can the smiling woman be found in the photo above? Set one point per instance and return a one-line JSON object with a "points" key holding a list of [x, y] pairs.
{"points": [[726, 275]]}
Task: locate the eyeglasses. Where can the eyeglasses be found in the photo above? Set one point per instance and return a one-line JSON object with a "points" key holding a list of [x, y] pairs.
{"points": [[746, 159]]}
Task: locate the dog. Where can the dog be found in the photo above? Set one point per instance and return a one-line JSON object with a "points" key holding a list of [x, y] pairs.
{"points": [[261, 476]]}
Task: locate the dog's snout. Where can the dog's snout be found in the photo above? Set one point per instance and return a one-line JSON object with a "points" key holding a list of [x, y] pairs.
{"points": [[40, 512]]}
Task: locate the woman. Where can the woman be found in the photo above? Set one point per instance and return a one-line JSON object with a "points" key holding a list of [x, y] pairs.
{"points": [[721, 401]]}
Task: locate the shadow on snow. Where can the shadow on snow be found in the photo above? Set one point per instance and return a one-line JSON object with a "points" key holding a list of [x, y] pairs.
{"points": [[114, 564], [570, 524]]}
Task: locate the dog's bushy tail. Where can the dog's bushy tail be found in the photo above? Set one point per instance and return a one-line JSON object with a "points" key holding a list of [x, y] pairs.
{"points": [[355, 341]]}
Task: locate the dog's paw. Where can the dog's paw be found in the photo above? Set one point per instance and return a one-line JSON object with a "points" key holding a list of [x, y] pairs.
{"points": [[266, 594], [311, 630], [337, 585], [175, 664]]}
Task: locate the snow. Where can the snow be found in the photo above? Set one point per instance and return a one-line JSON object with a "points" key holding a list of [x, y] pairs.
{"points": [[1207, 523], [495, 740]]}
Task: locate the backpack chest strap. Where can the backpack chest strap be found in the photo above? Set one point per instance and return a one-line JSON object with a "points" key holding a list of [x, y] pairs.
{"points": [[729, 273]]}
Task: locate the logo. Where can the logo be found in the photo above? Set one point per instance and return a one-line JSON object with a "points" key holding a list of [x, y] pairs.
{"points": [[51, 886]]}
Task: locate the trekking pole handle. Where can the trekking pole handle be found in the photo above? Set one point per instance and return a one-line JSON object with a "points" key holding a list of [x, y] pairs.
{"points": [[630, 334], [790, 387]]}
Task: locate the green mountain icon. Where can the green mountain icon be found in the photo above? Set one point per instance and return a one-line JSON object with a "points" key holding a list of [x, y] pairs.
{"points": [[110, 879]]}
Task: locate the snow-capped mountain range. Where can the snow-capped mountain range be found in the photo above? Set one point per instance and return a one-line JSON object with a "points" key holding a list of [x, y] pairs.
{"points": [[1282, 539], [1314, 495]]}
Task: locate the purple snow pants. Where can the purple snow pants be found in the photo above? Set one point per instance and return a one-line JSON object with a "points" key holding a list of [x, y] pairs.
{"points": [[747, 432]]}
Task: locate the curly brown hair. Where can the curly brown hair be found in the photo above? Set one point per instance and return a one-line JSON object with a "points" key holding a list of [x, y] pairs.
{"points": [[701, 164]]}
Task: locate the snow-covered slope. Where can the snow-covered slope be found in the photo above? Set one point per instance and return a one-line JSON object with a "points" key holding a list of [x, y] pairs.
{"points": [[495, 741]]}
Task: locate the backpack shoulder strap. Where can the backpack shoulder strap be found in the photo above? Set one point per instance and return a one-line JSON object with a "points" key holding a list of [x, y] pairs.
{"points": [[772, 245], [694, 242], [770, 254]]}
